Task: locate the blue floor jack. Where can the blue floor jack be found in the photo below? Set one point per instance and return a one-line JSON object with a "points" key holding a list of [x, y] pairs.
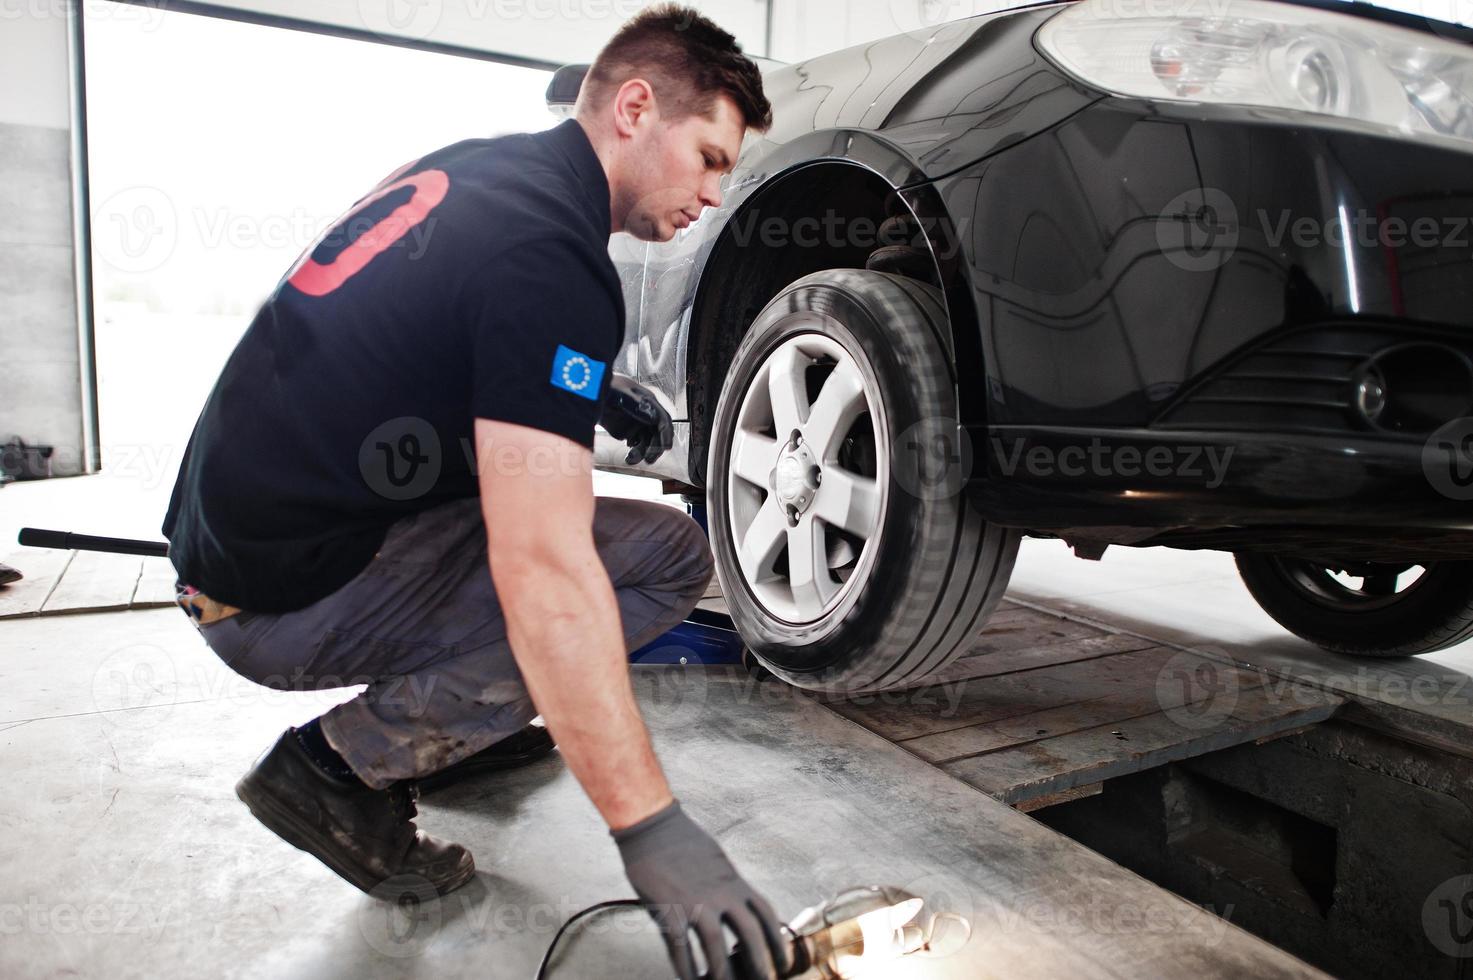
{"points": [[706, 637]]}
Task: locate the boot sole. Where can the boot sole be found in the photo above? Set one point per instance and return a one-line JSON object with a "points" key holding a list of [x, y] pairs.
{"points": [[295, 831]]}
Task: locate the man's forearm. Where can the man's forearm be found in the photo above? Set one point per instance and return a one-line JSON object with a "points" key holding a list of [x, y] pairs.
{"points": [[563, 624]]}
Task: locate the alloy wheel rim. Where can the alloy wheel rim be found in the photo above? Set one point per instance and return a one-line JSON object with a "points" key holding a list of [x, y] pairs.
{"points": [[807, 478]]}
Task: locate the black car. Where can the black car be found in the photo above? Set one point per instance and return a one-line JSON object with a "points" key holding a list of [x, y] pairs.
{"points": [[1195, 273]]}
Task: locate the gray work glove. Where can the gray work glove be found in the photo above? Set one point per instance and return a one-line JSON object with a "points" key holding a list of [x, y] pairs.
{"points": [[686, 882], [630, 412]]}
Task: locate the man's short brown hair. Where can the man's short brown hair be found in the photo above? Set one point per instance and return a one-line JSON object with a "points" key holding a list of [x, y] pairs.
{"points": [[687, 60]]}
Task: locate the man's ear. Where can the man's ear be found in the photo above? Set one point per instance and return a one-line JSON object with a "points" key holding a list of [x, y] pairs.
{"points": [[634, 105]]}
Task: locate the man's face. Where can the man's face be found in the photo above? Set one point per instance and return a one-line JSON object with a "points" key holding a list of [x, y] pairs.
{"points": [[675, 170]]}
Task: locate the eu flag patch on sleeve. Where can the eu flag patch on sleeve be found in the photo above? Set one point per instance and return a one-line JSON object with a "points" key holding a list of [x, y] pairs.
{"points": [[575, 372]]}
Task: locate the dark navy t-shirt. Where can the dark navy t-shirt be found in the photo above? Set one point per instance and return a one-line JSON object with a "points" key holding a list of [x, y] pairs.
{"points": [[473, 283]]}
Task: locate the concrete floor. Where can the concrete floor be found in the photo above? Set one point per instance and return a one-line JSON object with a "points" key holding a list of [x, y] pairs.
{"points": [[126, 853]]}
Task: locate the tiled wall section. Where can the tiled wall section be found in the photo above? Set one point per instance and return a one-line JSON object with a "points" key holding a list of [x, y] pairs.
{"points": [[39, 372]]}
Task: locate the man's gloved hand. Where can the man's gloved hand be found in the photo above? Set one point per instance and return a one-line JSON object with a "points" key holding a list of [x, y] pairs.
{"points": [[686, 882], [631, 413]]}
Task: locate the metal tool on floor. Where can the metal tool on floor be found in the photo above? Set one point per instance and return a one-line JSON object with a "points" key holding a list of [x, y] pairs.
{"points": [[40, 537]]}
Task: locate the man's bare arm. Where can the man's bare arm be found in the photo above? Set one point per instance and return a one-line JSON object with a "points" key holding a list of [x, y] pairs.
{"points": [[561, 616]]}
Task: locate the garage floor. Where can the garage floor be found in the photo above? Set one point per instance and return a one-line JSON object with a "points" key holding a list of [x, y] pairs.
{"points": [[126, 853]]}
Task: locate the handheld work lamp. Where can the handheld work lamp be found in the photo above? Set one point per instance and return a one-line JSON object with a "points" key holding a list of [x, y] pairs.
{"points": [[855, 932]]}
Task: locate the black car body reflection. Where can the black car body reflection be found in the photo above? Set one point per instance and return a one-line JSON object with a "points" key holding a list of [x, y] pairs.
{"points": [[1155, 333]]}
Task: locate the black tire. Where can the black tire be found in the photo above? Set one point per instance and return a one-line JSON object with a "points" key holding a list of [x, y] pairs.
{"points": [[1431, 613], [937, 569]]}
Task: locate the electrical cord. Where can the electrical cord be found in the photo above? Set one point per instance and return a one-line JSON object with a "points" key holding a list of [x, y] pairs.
{"points": [[585, 913], [594, 910], [924, 948]]}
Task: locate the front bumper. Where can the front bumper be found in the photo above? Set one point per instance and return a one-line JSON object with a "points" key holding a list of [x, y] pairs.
{"points": [[1052, 478]]}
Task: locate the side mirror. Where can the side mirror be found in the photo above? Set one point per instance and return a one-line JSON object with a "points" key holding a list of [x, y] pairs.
{"points": [[562, 91]]}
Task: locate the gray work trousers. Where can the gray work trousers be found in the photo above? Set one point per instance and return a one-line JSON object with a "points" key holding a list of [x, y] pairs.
{"points": [[421, 626]]}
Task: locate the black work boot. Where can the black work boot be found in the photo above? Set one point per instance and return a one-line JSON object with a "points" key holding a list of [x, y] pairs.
{"points": [[366, 835], [517, 749]]}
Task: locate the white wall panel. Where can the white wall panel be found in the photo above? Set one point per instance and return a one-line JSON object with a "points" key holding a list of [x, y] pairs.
{"points": [[33, 64], [41, 374], [552, 30], [805, 28]]}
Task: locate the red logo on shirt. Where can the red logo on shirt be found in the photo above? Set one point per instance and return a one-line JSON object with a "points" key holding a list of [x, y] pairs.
{"points": [[317, 279]]}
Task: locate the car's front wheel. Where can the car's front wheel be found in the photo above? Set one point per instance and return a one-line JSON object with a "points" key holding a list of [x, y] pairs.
{"points": [[1368, 609], [849, 556]]}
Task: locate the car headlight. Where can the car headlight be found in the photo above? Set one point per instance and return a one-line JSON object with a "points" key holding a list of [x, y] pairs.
{"points": [[1261, 53]]}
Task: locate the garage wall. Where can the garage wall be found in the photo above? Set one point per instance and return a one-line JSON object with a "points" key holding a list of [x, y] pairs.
{"points": [[805, 28], [40, 369], [560, 31]]}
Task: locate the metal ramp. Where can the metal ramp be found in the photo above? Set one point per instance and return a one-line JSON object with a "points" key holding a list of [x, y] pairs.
{"points": [[1046, 708]]}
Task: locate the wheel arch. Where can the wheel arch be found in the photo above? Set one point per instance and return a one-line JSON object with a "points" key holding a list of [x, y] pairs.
{"points": [[853, 175]]}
